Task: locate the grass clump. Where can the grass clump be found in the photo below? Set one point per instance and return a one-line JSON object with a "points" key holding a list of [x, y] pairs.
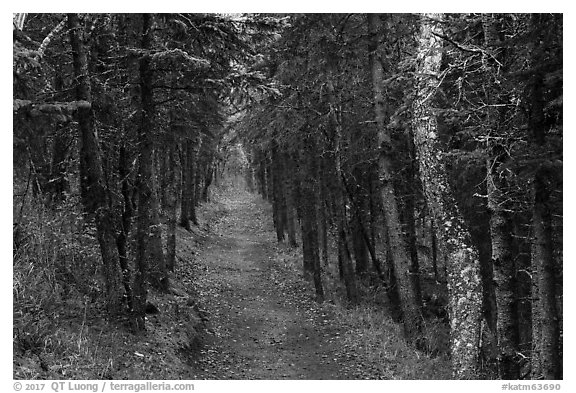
{"points": [[373, 333]]}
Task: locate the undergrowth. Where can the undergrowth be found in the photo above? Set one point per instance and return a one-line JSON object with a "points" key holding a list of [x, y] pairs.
{"points": [[61, 329], [371, 330], [380, 339], [55, 272]]}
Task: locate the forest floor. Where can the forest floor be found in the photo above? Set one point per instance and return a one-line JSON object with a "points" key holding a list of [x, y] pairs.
{"points": [[263, 322], [239, 308]]}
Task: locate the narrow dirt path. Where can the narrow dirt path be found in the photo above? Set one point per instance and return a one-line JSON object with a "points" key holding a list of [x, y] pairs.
{"points": [[263, 323]]}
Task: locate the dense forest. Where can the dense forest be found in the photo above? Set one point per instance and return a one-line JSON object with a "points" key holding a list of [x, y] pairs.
{"points": [[413, 161]]}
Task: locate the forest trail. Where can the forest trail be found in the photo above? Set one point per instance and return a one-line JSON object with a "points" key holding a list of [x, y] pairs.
{"points": [[263, 323]]}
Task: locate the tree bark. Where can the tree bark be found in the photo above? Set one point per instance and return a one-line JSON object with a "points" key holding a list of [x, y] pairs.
{"points": [[411, 304], [158, 273], [504, 277], [208, 177], [288, 185], [359, 199], [189, 169], [124, 170], [545, 317], [94, 193], [546, 332], [307, 209], [144, 181], [500, 222], [464, 287], [187, 185], [173, 180], [347, 268], [278, 193]]}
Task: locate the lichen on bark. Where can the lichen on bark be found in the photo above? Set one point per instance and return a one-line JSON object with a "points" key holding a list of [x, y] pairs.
{"points": [[462, 261]]}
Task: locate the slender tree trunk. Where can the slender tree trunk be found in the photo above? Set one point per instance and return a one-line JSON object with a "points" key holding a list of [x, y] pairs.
{"points": [[189, 169], [313, 222], [187, 185], [193, 168], [262, 175], [504, 271], [347, 268], [208, 177], [546, 331], [173, 180], [410, 219], [463, 266], [126, 221], [158, 273], [359, 198], [287, 177], [546, 361], [411, 304], [94, 195], [324, 226], [307, 202], [434, 247], [144, 181], [504, 278], [268, 174], [278, 193]]}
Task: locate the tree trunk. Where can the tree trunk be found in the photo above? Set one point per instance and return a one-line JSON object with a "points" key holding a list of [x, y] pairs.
{"points": [[124, 171], [504, 278], [324, 224], [268, 174], [172, 180], [189, 169], [287, 177], [359, 198], [193, 168], [307, 202], [187, 185], [278, 193], [545, 317], [546, 331], [434, 250], [347, 268], [504, 271], [208, 177], [158, 272], [262, 178], [464, 287], [94, 195], [411, 304], [144, 181]]}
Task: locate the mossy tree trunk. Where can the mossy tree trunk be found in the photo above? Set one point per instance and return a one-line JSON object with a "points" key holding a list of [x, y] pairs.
{"points": [[462, 261]]}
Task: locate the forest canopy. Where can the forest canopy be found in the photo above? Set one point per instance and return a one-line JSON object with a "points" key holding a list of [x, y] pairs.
{"points": [[417, 157]]}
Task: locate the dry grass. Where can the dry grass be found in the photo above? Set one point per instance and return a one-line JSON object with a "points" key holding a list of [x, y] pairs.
{"points": [[381, 341], [60, 326], [371, 331]]}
